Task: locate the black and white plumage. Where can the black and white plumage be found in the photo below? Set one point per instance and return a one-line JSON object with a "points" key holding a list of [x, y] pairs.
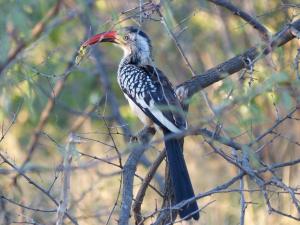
{"points": [[152, 98], [149, 91]]}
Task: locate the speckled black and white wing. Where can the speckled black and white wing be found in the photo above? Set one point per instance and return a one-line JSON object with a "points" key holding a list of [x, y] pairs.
{"points": [[153, 94]]}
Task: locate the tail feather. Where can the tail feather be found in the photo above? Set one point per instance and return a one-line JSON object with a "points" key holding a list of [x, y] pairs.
{"points": [[180, 178]]}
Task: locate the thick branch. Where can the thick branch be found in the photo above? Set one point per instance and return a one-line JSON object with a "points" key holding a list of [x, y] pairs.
{"points": [[128, 175], [235, 64]]}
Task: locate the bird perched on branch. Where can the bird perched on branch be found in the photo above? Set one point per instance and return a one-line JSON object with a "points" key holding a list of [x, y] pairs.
{"points": [[153, 99]]}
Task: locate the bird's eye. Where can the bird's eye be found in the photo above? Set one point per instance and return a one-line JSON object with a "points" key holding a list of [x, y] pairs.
{"points": [[126, 38]]}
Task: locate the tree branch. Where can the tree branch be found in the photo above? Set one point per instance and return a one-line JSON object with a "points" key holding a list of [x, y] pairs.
{"points": [[143, 188], [37, 186], [245, 16], [36, 31], [66, 180], [128, 175], [58, 87], [188, 88]]}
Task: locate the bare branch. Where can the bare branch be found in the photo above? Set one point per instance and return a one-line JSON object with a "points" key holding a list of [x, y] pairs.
{"points": [[245, 16], [64, 199], [128, 175], [275, 125], [58, 87], [12, 122], [235, 64], [27, 207], [36, 31], [142, 191], [37, 186]]}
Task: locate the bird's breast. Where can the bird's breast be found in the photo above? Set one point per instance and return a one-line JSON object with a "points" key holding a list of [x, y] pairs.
{"points": [[135, 81], [140, 114]]}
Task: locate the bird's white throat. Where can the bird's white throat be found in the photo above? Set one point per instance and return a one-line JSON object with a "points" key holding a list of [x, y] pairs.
{"points": [[140, 51]]}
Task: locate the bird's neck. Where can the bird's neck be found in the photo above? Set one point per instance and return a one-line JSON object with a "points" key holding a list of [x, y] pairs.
{"points": [[136, 58]]}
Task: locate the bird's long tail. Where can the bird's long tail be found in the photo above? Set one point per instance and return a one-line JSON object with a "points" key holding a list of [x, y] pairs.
{"points": [[180, 178]]}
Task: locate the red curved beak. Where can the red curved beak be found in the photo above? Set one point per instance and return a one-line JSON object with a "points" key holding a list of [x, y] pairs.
{"points": [[109, 36]]}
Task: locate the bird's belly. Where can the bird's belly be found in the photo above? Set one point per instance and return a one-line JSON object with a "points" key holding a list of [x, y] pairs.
{"points": [[140, 114]]}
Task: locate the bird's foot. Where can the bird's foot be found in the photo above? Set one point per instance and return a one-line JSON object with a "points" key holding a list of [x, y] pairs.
{"points": [[144, 135], [134, 138]]}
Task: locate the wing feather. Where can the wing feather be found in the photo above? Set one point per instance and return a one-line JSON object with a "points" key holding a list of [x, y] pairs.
{"points": [[156, 98]]}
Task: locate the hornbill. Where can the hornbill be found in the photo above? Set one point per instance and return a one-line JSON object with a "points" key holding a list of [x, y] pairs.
{"points": [[153, 99]]}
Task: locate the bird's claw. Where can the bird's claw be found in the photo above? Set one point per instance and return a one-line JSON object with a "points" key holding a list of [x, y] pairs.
{"points": [[134, 139]]}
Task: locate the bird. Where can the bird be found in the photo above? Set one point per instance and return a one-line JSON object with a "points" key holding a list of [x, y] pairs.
{"points": [[153, 99]]}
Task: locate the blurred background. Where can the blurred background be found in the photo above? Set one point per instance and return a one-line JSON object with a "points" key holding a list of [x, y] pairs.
{"points": [[44, 97]]}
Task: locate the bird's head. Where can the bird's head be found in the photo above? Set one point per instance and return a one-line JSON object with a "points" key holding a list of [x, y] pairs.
{"points": [[134, 42]]}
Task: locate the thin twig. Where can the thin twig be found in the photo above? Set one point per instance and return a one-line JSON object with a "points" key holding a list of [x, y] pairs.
{"points": [[66, 180], [36, 31], [37, 186], [245, 16]]}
